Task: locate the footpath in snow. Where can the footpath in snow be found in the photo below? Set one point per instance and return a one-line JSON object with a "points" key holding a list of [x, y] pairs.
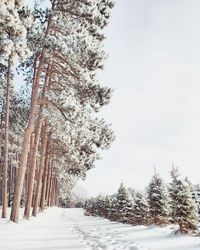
{"points": [[59, 228]]}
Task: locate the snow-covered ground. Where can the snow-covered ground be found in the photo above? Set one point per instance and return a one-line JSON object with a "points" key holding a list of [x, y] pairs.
{"points": [[58, 229]]}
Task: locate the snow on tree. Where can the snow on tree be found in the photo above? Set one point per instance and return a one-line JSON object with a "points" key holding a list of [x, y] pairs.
{"points": [[154, 207], [15, 20], [108, 206], [90, 207], [158, 200], [112, 208], [124, 204], [184, 208], [65, 63], [196, 196], [102, 206], [173, 189], [140, 213]]}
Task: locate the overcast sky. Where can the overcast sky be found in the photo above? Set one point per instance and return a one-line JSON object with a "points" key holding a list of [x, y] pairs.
{"points": [[154, 69]]}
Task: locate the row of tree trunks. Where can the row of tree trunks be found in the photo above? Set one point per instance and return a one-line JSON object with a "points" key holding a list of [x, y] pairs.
{"points": [[41, 169], [26, 141], [45, 192], [39, 66], [32, 170]]}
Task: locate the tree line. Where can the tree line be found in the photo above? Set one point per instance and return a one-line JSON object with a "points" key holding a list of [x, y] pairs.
{"points": [[50, 135], [158, 204]]}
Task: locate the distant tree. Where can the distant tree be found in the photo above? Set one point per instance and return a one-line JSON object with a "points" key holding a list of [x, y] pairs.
{"points": [[184, 208], [124, 204], [173, 190], [140, 210], [108, 205], [113, 211], [158, 199], [196, 196], [91, 207]]}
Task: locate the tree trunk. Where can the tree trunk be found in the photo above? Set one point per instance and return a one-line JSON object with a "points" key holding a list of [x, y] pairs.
{"points": [[10, 181], [57, 193], [41, 169], [31, 176], [52, 195], [49, 185], [26, 142], [5, 156], [45, 175]]}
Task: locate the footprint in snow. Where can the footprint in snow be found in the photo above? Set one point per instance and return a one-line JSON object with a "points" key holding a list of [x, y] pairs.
{"points": [[133, 248]]}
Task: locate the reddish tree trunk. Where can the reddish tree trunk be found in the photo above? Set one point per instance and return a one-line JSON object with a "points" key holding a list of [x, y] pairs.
{"points": [[31, 176], [57, 193], [45, 176], [25, 146], [52, 196], [49, 187], [41, 169], [11, 178], [10, 182]]}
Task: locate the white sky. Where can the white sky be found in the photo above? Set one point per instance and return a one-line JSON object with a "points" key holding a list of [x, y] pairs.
{"points": [[154, 67]]}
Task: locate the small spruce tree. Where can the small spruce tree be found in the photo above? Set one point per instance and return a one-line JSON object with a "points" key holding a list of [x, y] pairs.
{"points": [[158, 199], [140, 210], [124, 205], [184, 208], [113, 212]]}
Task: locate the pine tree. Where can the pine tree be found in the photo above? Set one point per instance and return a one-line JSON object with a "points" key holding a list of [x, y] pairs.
{"points": [[124, 205], [140, 210], [196, 196], [113, 211], [158, 200], [91, 207], [108, 206], [184, 208], [173, 189]]}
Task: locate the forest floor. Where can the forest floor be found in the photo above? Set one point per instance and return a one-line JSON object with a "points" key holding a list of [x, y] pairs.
{"points": [[58, 229]]}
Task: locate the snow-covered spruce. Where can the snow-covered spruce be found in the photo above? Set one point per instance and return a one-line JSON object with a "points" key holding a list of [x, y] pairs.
{"points": [[184, 208], [124, 204], [153, 206], [140, 213], [158, 200]]}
